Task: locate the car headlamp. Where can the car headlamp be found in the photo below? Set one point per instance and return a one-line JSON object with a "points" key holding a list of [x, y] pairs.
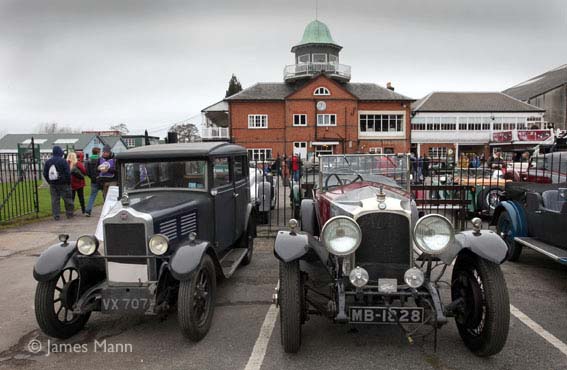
{"points": [[87, 245], [341, 235], [433, 233], [159, 244]]}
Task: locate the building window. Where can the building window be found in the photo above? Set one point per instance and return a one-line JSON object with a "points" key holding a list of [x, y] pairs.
{"points": [[321, 91], [381, 122], [438, 152], [303, 59], [259, 154], [388, 150], [130, 142], [333, 59], [375, 150], [300, 119], [257, 121], [323, 150], [319, 58], [326, 120]]}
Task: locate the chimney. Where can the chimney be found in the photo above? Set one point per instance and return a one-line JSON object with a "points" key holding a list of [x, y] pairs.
{"points": [[389, 86]]}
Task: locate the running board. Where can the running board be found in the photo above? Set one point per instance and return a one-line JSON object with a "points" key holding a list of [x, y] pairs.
{"points": [[230, 262], [557, 254]]}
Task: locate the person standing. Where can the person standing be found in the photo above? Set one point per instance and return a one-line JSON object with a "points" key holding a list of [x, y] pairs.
{"points": [[58, 175], [92, 173], [295, 167], [107, 170], [78, 173]]}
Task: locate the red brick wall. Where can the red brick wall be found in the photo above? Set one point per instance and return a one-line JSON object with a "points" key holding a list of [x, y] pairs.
{"points": [[424, 148]]}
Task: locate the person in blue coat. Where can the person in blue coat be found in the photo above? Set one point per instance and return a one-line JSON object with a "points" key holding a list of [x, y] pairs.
{"points": [[58, 175]]}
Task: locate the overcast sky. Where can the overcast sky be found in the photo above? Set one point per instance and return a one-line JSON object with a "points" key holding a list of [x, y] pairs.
{"points": [[90, 64]]}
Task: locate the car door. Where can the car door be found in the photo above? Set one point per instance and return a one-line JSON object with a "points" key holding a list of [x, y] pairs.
{"points": [[241, 193], [224, 202]]}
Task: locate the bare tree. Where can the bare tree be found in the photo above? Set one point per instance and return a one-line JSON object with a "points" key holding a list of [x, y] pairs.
{"points": [[122, 127], [55, 128], [186, 132]]}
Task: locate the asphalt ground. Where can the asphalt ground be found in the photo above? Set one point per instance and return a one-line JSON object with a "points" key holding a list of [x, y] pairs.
{"points": [[241, 335]]}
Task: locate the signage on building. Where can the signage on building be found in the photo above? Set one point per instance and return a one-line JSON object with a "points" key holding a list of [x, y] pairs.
{"points": [[502, 137], [534, 135]]}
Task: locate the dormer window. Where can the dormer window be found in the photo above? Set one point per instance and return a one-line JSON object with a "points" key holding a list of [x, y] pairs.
{"points": [[322, 91]]}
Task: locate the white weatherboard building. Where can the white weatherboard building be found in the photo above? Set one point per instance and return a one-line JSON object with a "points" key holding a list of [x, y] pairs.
{"points": [[451, 123]]}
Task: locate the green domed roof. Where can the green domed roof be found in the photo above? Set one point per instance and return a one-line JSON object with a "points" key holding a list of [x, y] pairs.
{"points": [[316, 32]]}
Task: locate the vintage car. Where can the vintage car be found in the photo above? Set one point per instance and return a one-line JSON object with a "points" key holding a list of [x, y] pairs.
{"points": [[183, 218], [486, 187], [362, 256], [263, 190], [534, 215]]}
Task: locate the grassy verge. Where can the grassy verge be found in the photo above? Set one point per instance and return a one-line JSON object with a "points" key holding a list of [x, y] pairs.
{"points": [[44, 197]]}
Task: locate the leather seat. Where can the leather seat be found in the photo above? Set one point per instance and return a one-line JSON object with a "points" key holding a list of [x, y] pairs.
{"points": [[554, 200]]}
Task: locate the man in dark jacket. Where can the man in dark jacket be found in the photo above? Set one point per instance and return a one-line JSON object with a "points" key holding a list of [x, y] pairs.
{"points": [[58, 175], [106, 170], [92, 173]]}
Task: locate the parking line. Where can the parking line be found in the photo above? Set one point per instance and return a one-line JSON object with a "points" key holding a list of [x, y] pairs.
{"points": [[552, 339], [257, 357]]}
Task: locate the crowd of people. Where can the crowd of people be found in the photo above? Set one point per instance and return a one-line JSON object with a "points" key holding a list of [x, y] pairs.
{"points": [[66, 177]]}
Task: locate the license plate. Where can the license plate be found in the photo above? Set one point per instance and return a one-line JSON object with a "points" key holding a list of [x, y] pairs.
{"points": [[134, 300], [386, 315]]}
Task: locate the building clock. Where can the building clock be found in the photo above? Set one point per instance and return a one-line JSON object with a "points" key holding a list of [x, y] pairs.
{"points": [[321, 105]]}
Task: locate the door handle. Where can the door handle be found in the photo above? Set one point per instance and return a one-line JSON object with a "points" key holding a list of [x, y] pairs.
{"points": [[235, 195], [538, 212]]}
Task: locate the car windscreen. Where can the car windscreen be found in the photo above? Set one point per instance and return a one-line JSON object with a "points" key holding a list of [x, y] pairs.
{"points": [[190, 174], [379, 168]]}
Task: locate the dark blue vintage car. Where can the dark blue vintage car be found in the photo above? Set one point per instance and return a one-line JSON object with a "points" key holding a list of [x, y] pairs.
{"points": [[183, 218], [534, 215]]}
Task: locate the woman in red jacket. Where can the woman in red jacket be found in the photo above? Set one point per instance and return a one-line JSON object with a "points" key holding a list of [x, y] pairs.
{"points": [[78, 173]]}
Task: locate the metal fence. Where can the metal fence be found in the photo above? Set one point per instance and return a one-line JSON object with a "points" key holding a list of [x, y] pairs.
{"points": [[457, 189], [19, 173]]}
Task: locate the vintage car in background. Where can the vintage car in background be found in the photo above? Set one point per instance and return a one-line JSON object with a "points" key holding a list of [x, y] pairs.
{"points": [[363, 256], [535, 216], [486, 187], [263, 190], [183, 218]]}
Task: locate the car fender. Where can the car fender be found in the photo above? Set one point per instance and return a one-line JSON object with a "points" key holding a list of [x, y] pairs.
{"points": [[486, 244], [187, 258], [264, 196], [517, 215], [308, 217], [249, 210], [291, 246], [54, 260]]}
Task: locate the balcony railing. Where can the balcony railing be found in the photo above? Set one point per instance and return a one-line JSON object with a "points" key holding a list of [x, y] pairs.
{"points": [[295, 71], [215, 133]]}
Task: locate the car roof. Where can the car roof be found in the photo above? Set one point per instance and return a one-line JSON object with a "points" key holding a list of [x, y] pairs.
{"points": [[182, 150]]}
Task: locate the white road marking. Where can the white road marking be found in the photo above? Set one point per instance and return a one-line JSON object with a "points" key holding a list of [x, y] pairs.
{"points": [[257, 357], [552, 339]]}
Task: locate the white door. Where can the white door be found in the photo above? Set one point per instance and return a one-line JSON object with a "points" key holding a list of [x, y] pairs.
{"points": [[300, 147]]}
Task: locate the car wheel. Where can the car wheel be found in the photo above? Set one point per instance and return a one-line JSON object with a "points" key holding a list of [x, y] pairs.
{"points": [[247, 241], [196, 299], [54, 300], [504, 229], [490, 198], [483, 320], [290, 300]]}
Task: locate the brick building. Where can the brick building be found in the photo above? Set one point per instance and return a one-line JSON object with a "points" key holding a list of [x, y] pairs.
{"points": [[317, 110]]}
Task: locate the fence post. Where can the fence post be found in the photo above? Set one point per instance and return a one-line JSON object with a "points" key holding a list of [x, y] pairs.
{"points": [[35, 175]]}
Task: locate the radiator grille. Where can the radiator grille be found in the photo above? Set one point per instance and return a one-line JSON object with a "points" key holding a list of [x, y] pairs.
{"points": [[125, 240], [385, 248]]}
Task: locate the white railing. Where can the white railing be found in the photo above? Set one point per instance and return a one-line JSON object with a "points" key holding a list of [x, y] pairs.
{"points": [[308, 69], [215, 133]]}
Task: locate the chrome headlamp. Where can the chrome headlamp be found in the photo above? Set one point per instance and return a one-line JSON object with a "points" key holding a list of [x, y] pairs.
{"points": [[433, 234], [87, 245], [341, 235], [159, 244]]}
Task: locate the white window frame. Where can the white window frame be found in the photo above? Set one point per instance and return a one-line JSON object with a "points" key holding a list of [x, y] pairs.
{"points": [[300, 124], [253, 121], [259, 154], [130, 142], [383, 134], [437, 152], [336, 61], [321, 91], [318, 54], [375, 150], [304, 55], [329, 115]]}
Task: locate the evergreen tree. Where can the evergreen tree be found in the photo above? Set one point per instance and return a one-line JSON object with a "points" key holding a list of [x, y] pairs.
{"points": [[234, 86]]}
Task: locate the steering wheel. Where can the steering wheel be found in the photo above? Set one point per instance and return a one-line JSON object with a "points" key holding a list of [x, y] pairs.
{"points": [[357, 178], [329, 177]]}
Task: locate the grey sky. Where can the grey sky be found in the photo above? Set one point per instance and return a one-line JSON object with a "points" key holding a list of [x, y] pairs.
{"points": [[92, 63]]}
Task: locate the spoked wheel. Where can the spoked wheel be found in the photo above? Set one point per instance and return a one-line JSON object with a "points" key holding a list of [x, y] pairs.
{"points": [[504, 228], [491, 199], [195, 306], [54, 300], [484, 318], [291, 306], [247, 241]]}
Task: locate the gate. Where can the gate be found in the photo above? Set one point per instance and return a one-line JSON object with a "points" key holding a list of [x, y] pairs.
{"points": [[19, 175]]}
